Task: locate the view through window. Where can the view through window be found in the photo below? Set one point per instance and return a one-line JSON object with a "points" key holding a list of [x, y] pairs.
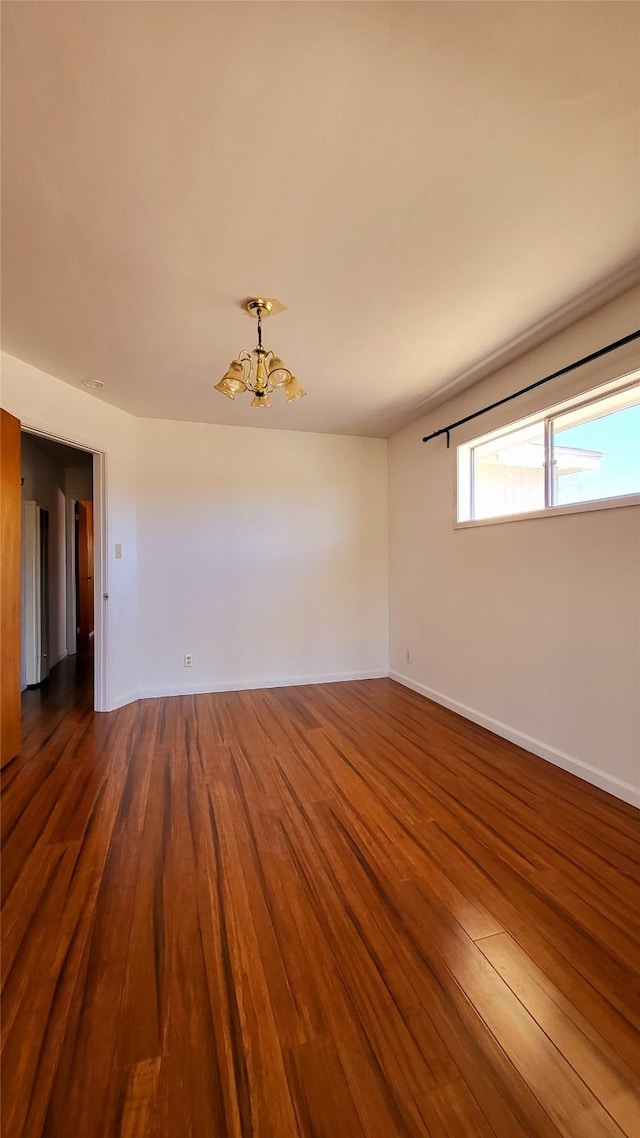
{"points": [[585, 452]]}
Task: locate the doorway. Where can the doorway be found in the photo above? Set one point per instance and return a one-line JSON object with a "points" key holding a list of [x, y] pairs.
{"points": [[59, 500], [58, 598]]}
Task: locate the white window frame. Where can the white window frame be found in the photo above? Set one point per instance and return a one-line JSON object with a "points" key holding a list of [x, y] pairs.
{"points": [[464, 461]]}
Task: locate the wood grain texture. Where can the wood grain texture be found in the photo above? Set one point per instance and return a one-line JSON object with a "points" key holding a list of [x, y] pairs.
{"points": [[336, 911], [10, 577], [85, 574]]}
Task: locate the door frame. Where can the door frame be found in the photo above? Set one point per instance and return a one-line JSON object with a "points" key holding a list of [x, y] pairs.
{"points": [[84, 609], [100, 561]]}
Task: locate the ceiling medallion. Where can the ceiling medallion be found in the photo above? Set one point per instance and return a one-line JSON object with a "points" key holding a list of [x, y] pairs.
{"points": [[259, 370]]}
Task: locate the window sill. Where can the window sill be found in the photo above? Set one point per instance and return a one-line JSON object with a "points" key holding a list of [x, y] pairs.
{"points": [[553, 512]]}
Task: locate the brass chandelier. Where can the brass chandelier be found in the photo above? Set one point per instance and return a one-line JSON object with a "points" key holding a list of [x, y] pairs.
{"points": [[259, 370]]}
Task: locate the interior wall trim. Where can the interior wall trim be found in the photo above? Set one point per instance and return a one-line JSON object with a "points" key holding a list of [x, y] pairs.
{"points": [[122, 700], [603, 292], [207, 688], [620, 789]]}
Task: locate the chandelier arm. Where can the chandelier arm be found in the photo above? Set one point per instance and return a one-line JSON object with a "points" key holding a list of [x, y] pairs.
{"points": [[244, 358], [250, 380], [269, 355]]}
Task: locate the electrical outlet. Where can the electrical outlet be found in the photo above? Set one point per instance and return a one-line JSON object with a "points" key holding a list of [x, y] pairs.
{"points": [[188, 660], [118, 550], [408, 656]]}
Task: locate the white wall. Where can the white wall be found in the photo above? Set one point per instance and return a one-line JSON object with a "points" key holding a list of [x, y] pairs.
{"points": [[46, 404], [263, 553], [530, 627], [78, 483]]}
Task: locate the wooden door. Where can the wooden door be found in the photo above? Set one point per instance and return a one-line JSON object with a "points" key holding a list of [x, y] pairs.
{"points": [[10, 584], [84, 546]]}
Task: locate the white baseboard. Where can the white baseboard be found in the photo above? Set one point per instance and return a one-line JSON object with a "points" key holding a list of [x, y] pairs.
{"points": [[208, 688], [624, 790], [120, 701], [251, 685]]}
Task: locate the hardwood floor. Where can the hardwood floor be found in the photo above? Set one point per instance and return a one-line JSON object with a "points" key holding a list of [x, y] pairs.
{"points": [[333, 912]]}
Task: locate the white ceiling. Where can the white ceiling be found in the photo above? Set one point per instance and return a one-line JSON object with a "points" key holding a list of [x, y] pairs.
{"points": [[419, 184]]}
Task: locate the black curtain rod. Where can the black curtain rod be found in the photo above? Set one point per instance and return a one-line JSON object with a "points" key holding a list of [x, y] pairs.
{"points": [[539, 382]]}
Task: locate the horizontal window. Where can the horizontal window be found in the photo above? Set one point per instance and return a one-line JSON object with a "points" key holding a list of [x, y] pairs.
{"points": [[579, 452]]}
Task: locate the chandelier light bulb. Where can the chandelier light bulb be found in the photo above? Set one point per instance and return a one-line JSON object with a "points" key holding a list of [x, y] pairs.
{"points": [[233, 380], [224, 388], [293, 390], [278, 373]]}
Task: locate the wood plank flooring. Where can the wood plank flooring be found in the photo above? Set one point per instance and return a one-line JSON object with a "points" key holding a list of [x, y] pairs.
{"points": [[337, 911]]}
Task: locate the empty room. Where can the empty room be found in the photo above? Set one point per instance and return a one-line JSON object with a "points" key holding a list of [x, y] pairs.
{"points": [[320, 573]]}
